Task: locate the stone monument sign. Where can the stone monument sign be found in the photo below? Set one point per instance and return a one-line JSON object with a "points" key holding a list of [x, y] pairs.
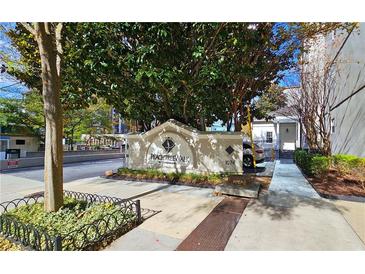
{"points": [[176, 147]]}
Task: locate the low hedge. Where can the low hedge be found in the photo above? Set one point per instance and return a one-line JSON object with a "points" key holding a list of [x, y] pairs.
{"points": [[191, 178], [79, 223], [316, 164]]}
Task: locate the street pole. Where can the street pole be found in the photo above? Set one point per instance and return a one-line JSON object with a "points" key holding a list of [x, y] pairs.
{"points": [[250, 134]]}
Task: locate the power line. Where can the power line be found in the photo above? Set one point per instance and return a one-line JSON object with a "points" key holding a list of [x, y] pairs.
{"points": [[348, 97], [343, 44]]}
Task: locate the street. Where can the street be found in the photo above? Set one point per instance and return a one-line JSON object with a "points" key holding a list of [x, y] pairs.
{"points": [[19, 182], [71, 172]]}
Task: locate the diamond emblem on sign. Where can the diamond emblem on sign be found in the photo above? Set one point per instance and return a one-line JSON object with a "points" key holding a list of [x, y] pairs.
{"points": [[168, 144], [229, 150]]}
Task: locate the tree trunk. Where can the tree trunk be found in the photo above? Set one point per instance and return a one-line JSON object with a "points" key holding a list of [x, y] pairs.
{"points": [[53, 160]]}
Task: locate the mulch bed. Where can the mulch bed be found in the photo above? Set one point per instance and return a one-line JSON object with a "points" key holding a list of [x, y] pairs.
{"points": [[164, 181], [336, 184]]}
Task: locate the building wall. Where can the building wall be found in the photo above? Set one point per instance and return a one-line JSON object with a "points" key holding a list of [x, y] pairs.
{"points": [[259, 130], [348, 124], [31, 144]]}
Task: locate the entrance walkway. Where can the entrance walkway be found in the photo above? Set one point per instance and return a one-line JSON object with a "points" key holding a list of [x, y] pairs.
{"points": [[292, 216], [287, 179]]}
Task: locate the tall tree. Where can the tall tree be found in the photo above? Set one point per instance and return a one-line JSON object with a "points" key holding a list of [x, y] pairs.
{"points": [[272, 100], [48, 37]]}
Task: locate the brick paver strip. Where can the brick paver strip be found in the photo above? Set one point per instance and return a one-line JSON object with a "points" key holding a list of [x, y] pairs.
{"points": [[215, 230]]}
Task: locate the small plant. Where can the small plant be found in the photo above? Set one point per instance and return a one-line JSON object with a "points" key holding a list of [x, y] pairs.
{"points": [[6, 245], [319, 165], [191, 178], [70, 220]]}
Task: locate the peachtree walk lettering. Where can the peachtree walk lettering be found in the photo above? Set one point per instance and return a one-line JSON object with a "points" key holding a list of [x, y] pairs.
{"points": [[169, 158]]}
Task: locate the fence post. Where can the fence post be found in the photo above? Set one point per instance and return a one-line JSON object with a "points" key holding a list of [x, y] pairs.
{"points": [[58, 243], [138, 208]]}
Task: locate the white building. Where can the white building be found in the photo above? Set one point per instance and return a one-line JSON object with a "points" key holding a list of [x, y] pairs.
{"points": [[23, 143], [343, 87], [282, 134]]}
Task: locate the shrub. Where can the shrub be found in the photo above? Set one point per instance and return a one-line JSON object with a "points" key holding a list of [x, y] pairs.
{"points": [[319, 165], [303, 159], [193, 178], [73, 215], [315, 164], [350, 161], [311, 164], [6, 245]]}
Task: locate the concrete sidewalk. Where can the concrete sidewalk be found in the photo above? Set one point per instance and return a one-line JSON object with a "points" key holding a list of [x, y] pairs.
{"points": [[292, 216], [287, 179], [354, 213], [23, 186], [182, 210]]}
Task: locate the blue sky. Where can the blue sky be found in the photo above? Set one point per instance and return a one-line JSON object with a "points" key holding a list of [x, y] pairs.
{"points": [[9, 86]]}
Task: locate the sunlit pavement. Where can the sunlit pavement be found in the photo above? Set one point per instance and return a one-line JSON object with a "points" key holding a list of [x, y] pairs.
{"points": [[292, 216], [280, 220]]}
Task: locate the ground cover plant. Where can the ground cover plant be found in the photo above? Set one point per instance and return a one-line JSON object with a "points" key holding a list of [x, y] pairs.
{"points": [[6, 245], [337, 174], [73, 221], [189, 178], [192, 179]]}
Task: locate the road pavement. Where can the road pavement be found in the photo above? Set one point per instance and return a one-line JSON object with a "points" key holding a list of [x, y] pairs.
{"points": [[19, 182], [71, 172]]}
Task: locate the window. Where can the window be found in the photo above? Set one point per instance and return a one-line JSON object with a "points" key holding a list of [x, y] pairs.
{"points": [[269, 137], [20, 142], [333, 125]]}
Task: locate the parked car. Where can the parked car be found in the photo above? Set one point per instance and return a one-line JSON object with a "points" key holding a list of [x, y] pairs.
{"points": [[247, 154]]}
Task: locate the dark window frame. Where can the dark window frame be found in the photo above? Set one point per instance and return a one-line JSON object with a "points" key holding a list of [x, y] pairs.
{"points": [[269, 139], [20, 142]]}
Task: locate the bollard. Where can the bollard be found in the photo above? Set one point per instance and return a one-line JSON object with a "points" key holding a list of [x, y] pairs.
{"points": [[138, 208], [58, 243]]}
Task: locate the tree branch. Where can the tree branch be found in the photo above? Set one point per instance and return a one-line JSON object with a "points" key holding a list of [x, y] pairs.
{"points": [[29, 28]]}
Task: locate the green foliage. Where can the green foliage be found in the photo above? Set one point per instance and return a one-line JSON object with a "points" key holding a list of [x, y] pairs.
{"points": [[190, 178], [314, 164], [27, 116], [269, 102], [72, 216], [6, 245], [319, 165], [23, 115], [304, 160], [148, 71], [350, 160]]}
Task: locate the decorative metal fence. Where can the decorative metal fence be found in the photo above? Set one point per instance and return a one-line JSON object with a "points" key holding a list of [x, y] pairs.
{"points": [[88, 237]]}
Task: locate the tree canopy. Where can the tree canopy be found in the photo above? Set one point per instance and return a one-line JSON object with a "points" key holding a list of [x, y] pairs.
{"points": [[194, 72]]}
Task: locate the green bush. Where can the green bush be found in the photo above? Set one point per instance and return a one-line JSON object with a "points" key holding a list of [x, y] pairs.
{"points": [[351, 161], [315, 164], [319, 165], [304, 160], [193, 178], [311, 164], [6, 245], [73, 215]]}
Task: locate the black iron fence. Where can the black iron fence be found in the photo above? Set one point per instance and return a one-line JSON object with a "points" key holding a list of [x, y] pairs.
{"points": [[89, 237]]}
